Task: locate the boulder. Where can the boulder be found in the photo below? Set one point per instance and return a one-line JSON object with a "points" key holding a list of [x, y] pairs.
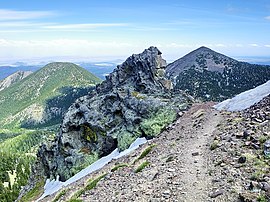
{"points": [[134, 101]]}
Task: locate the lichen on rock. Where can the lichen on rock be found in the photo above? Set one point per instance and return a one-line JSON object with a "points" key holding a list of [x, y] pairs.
{"points": [[153, 126], [135, 100]]}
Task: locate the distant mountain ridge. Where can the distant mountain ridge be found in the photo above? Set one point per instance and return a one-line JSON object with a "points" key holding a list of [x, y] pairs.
{"points": [[100, 69], [208, 75], [13, 78], [44, 95]]}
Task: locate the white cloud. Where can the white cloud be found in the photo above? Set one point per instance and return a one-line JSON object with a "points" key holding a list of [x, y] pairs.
{"points": [[20, 24], [85, 26], [267, 17], [267, 45], [6, 14], [254, 45]]}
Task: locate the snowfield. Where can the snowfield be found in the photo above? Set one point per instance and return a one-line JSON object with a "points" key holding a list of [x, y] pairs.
{"points": [[246, 99], [55, 185]]}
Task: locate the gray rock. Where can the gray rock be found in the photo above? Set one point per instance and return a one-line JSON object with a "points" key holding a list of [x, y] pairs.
{"points": [[265, 186], [216, 193], [135, 100]]}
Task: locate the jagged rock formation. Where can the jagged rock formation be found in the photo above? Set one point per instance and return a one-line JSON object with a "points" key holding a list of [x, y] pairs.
{"points": [[135, 100], [209, 75], [13, 78]]}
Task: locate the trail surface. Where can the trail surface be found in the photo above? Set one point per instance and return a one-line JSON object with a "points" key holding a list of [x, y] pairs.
{"points": [[178, 167]]}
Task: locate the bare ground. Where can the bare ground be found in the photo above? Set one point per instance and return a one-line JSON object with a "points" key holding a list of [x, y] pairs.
{"points": [[178, 167]]}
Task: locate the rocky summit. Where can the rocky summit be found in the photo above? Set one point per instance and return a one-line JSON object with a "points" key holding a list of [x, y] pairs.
{"points": [[211, 76], [134, 101]]}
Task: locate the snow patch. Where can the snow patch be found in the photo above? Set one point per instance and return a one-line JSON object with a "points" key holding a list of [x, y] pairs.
{"points": [[246, 99], [55, 185]]}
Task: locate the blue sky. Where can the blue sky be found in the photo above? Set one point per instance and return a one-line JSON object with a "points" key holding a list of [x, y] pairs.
{"points": [[103, 29]]}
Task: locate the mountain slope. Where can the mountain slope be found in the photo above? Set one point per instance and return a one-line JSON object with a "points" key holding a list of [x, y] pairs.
{"points": [[209, 75], [13, 78], [27, 101]]}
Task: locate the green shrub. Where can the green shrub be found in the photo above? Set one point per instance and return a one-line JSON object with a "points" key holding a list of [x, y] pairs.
{"points": [[214, 145]]}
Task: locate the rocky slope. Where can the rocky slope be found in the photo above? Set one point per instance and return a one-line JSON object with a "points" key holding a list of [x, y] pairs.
{"points": [[206, 155], [241, 167], [209, 75], [13, 78], [44, 96], [171, 167]]}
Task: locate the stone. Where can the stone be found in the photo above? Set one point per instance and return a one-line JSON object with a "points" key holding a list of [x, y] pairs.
{"points": [[265, 186], [135, 100], [255, 146], [195, 153], [245, 134], [242, 159], [216, 193], [171, 169]]}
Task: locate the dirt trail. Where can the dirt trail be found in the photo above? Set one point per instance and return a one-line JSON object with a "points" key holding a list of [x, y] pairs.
{"points": [[201, 122], [177, 170]]}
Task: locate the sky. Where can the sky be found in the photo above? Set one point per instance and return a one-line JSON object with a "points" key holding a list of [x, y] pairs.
{"points": [[114, 29]]}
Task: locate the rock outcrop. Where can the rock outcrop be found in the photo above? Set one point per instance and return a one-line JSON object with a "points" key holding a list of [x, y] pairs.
{"points": [[135, 100]]}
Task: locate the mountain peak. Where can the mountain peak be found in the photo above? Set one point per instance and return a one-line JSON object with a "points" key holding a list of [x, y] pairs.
{"points": [[200, 59], [204, 48], [209, 75], [40, 89], [153, 50]]}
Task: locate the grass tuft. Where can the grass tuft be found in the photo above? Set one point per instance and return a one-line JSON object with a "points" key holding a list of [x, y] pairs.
{"points": [[119, 166], [142, 166], [145, 152], [90, 185], [58, 196], [93, 183]]}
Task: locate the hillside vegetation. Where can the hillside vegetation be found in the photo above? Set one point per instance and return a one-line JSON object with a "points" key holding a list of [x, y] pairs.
{"points": [[37, 102], [26, 100]]}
